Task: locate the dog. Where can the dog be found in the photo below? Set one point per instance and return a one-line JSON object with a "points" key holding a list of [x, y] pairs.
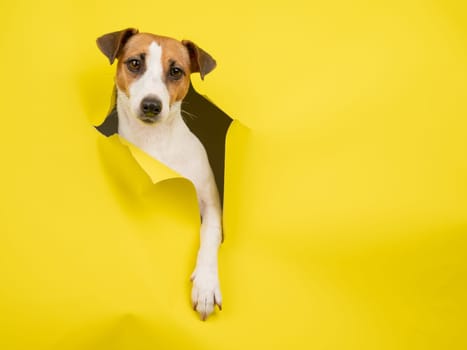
{"points": [[152, 79]]}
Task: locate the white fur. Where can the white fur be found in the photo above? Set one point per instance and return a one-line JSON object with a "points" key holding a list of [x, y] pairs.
{"points": [[171, 142]]}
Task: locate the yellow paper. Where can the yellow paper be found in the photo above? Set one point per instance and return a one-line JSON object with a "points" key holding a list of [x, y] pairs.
{"points": [[345, 193]]}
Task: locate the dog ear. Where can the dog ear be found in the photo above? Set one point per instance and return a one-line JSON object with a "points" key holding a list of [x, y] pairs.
{"points": [[111, 44], [200, 60]]}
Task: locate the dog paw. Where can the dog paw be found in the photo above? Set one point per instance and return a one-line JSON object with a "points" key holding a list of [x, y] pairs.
{"points": [[206, 293]]}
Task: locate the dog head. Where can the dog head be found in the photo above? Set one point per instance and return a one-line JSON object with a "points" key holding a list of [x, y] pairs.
{"points": [[153, 72]]}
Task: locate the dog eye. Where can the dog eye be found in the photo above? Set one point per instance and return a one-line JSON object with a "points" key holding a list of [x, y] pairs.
{"points": [[175, 73], [134, 65]]}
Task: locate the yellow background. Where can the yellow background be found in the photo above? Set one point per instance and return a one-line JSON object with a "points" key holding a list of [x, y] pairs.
{"points": [[346, 191]]}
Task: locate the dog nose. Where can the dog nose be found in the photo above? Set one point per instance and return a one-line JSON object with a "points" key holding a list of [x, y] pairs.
{"points": [[151, 106]]}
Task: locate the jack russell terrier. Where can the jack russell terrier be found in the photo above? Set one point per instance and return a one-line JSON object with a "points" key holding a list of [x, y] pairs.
{"points": [[153, 77]]}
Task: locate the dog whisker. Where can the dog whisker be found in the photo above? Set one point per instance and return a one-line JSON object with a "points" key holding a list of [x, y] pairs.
{"points": [[188, 114]]}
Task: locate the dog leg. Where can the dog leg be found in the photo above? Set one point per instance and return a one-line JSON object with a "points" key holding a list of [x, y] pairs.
{"points": [[206, 290]]}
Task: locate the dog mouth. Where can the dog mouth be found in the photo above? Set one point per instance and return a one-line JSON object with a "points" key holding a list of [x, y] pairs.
{"points": [[148, 119]]}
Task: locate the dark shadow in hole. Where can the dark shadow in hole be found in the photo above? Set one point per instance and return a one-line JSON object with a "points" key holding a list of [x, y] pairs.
{"points": [[208, 122]]}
